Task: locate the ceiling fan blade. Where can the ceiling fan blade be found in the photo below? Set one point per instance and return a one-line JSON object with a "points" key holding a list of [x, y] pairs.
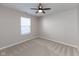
{"points": [[36, 12], [46, 8], [43, 11], [34, 8]]}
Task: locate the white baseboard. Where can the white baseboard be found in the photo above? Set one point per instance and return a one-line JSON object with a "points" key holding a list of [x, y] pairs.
{"points": [[60, 42], [33, 37]]}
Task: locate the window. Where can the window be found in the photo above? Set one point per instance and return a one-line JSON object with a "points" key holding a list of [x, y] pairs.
{"points": [[25, 25]]}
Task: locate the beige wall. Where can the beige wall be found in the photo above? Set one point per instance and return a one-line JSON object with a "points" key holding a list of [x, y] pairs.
{"points": [[77, 23], [61, 27], [10, 27]]}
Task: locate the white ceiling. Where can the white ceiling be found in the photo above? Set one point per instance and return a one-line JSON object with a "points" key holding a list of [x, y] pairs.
{"points": [[55, 7]]}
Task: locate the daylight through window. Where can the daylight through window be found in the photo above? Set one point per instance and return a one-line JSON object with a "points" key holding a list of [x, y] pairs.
{"points": [[25, 25]]}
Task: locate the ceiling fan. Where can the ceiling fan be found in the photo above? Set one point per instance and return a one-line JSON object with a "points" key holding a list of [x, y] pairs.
{"points": [[40, 9]]}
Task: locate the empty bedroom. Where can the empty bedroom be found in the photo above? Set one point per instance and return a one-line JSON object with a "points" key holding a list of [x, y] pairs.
{"points": [[39, 29]]}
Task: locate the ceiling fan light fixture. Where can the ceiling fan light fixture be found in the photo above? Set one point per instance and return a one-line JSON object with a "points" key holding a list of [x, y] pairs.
{"points": [[40, 11]]}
